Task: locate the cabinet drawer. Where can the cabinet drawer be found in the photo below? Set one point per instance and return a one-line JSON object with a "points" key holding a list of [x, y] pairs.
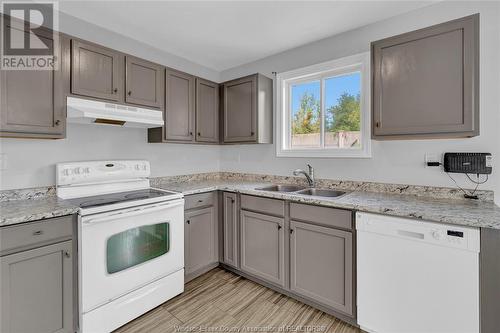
{"points": [[199, 200], [264, 205], [331, 217], [27, 235]]}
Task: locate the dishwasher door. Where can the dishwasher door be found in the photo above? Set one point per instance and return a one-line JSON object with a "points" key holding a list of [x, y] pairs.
{"points": [[416, 277]]}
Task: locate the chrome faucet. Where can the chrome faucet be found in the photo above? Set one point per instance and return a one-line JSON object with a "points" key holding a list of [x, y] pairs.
{"points": [[309, 175]]}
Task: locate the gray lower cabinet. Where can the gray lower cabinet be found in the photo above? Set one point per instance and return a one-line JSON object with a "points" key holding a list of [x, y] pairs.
{"points": [[248, 110], [207, 111], [144, 83], [200, 239], [230, 230], [321, 265], [37, 277], [31, 101], [96, 71], [263, 246], [425, 83]]}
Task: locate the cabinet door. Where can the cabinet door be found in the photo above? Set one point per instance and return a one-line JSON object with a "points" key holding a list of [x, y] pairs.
{"points": [[179, 107], [425, 82], [31, 101], [230, 226], [321, 265], [96, 71], [262, 246], [144, 82], [200, 240], [207, 111], [37, 290], [240, 110]]}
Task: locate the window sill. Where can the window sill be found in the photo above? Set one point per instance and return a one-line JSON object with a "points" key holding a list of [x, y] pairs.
{"points": [[324, 153]]}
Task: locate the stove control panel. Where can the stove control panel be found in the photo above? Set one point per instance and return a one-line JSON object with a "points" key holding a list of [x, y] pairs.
{"points": [[101, 171]]}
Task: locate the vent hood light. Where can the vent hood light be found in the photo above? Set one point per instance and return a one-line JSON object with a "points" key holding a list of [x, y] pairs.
{"points": [[84, 111]]}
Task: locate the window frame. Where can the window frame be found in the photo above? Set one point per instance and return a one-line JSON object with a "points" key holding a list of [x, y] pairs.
{"points": [[319, 72]]}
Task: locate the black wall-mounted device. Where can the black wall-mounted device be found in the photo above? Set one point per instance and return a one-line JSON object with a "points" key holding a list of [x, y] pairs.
{"points": [[474, 163]]}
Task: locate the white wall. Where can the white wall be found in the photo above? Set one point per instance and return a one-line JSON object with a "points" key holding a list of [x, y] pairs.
{"points": [[31, 163], [393, 161]]}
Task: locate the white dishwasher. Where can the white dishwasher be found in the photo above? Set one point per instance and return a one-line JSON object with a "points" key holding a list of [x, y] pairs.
{"points": [[416, 277]]}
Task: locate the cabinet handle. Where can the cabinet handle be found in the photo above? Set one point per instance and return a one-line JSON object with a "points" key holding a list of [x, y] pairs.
{"points": [[115, 90], [199, 133], [67, 254], [279, 227], [188, 222], [232, 200], [377, 124], [191, 133], [252, 133], [291, 231], [57, 122], [200, 200], [129, 92], [38, 233]]}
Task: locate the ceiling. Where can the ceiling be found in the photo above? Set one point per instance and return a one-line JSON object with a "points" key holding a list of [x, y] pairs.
{"points": [[225, 34]]}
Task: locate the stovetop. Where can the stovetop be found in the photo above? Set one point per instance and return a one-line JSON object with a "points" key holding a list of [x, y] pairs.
{"points": [[120, 197]]}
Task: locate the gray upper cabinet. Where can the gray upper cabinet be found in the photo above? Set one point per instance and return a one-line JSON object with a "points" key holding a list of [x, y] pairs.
{"points": [[144, 83], [321, 265], [207, 111], [248, 109], [200, 239], [425, 83], [179, 106], [230, 230], [96, 71], [31, 101], [263, 246]]}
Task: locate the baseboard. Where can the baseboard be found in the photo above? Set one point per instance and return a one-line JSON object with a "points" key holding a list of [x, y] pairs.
{"points": [[201, 271]]}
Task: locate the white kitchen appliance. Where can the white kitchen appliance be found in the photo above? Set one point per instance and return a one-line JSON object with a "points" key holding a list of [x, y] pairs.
{"points": [[85, 111], [130, 240], [416, 277]]}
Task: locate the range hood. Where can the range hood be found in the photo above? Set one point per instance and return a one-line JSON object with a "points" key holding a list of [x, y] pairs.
{"points": [[84, 111]]}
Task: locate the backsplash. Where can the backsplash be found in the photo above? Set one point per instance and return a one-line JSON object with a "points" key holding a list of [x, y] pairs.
{"points": [[416, 190]]}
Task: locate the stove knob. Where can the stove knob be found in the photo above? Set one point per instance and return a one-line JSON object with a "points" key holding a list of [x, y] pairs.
{"points": [[137, 167], [144, 167], [86, 170], [67, 172], [78, 171]]}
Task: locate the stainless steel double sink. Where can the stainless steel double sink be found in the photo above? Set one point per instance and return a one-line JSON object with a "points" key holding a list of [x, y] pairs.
{"points": [[295, 189]]}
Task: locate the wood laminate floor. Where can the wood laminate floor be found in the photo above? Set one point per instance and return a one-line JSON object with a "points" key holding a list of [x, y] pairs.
{"points": [[221, 301]]}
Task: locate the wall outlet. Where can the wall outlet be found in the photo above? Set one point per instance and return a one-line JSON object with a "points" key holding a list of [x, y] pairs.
{"points": [[3, 161], [431, 157]]}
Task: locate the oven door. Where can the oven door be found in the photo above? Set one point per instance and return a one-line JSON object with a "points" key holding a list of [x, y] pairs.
{"points": [[124, 250]]}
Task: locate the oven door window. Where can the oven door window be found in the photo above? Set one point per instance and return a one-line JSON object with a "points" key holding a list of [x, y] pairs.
{"points": [[136, 246]]}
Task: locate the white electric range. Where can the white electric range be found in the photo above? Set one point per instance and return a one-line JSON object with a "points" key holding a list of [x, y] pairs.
{"points": [[130, 242]]}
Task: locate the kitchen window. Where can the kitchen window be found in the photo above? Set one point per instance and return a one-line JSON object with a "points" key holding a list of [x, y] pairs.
{"points": [[323, 110]]}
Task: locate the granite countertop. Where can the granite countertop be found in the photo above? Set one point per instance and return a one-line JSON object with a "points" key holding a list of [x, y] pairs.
{"points": [[452, 211], [26, 210], [471, 213]]}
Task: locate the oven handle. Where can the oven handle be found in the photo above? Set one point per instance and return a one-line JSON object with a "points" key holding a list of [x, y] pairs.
{"points": [[133, 211]]}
